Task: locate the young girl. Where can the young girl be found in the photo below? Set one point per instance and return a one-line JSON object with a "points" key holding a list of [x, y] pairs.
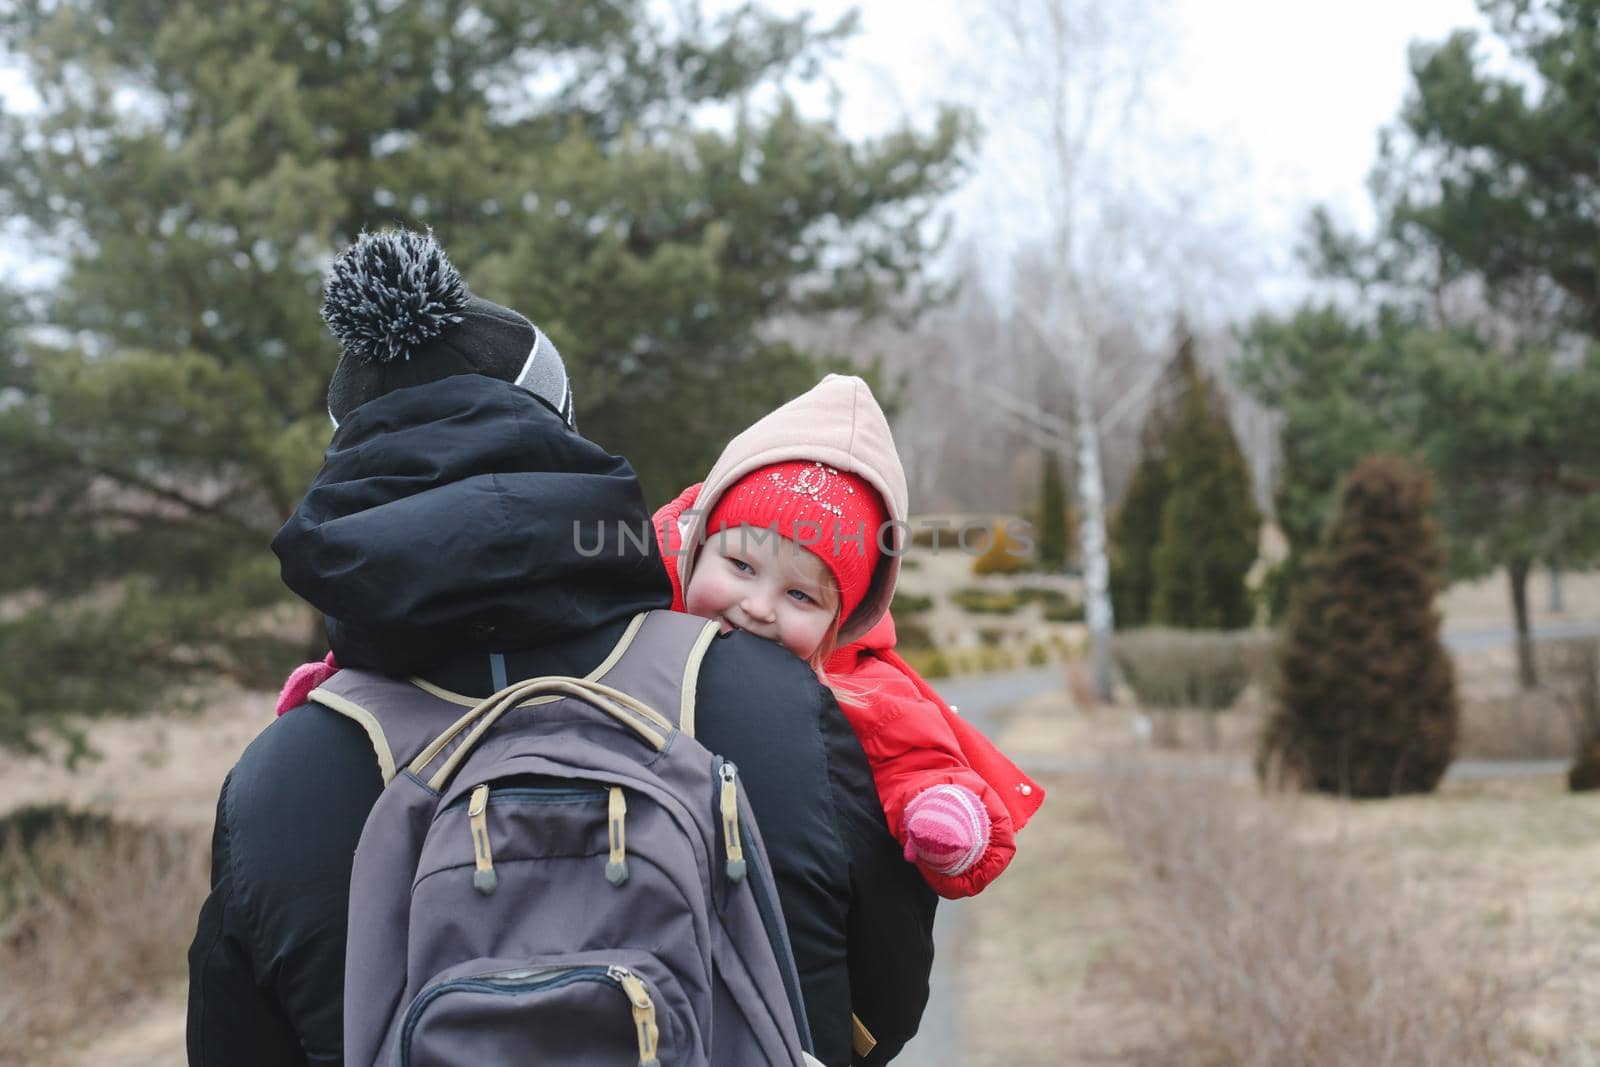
{"points": [[795, 536]]}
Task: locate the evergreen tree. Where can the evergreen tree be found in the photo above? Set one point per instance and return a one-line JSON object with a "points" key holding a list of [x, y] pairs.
{"points": [[1137, 532], [1332, 379], [194, 165], [1483, 273], [1052, 516], [1368, 702], [1188, 527], [1210, 525]]}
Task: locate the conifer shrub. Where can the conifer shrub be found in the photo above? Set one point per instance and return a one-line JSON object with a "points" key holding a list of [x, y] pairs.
{"points": [[1002, 556], [1367, 699], [1134, 537], [1053, 535], [1574, 670], [1209, 522]]}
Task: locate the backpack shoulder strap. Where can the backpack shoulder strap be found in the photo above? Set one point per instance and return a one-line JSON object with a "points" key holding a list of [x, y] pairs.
{"points": [[661, 664], [657, 661], [400, 717]]}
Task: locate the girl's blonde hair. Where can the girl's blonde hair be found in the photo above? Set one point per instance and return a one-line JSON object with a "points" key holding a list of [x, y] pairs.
{"points": [[844, 692]]}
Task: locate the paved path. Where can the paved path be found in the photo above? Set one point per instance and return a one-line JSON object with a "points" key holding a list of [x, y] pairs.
{"points": [[1500, 636], [938, 1042]]}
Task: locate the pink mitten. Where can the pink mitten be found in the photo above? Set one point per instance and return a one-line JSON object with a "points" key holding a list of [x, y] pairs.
{"points": [[947, 829], [303, 680]]}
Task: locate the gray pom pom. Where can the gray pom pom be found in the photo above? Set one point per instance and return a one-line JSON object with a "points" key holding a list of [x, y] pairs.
{"points": [[389, 292]]}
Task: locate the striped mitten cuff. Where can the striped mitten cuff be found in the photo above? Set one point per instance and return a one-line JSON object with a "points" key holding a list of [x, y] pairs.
{"points": [[947, 829]]}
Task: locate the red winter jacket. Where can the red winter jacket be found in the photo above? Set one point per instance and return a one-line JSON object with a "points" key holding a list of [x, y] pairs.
{"points": [[912, 738]]}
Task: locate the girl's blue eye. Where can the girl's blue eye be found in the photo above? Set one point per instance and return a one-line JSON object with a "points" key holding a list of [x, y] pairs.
{"points": [[740, 564], [804, 598]]}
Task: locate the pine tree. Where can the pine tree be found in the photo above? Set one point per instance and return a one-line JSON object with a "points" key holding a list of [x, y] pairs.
{"points": [[1210, 525], [194, 165], [1368, 702], [1052, 516]]}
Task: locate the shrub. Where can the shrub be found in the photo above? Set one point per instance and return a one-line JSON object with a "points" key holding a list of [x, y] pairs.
{"points": [[1189, 668], [1053, 535], [1002, 556], [1574, 671], [1134, 537], [1368, 701], [1067, 611], [991, 636], [905, 604], [909, 633], [985, 601], [931, 663], [1037, 656], [1050, 598], [937, 538]]}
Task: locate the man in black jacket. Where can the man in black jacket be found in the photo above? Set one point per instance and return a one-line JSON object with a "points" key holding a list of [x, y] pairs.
{"points": [[442, 539]]}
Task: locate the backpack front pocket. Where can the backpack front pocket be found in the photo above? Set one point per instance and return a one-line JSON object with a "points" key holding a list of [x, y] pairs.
{"points": [[577, 1010]]}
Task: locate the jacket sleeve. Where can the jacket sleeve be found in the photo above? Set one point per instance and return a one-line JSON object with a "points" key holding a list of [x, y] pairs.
{"points": [[890, 932], [911, 747], [266, 968], [232, 1019]]}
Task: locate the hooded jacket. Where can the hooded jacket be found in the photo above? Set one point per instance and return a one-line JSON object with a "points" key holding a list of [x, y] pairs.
{"points": [[913, 739], [460, 532]]}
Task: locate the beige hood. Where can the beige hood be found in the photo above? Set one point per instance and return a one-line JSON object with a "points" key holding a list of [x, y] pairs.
{"points": [[837, 422]]}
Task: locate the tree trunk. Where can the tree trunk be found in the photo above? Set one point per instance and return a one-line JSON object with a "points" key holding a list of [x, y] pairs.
{"points": [[1527, 673], [1092, 496]]}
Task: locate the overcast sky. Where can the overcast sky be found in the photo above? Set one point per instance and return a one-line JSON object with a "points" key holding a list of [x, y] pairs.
{"points": [[1287, 97]]}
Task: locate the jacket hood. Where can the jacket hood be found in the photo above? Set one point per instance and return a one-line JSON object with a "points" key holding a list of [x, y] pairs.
{"points": [[837, 422], [464, 516]]}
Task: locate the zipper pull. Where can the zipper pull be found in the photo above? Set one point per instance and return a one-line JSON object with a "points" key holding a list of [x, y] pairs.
{"points": [[644, 1015], [483, 879], [730, 821], [617, 865]]}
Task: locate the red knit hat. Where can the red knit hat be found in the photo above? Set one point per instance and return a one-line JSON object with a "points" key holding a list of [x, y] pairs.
{"points": [[834, 514]]}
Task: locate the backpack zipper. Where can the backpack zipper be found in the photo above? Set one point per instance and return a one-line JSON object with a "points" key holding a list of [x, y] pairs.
{"points": [[483, 877], [617, 864], [528, 979], [730, 820], [644, 1015]]}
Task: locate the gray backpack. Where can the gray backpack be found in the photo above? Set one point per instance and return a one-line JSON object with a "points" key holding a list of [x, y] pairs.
{"points": [[564, 875]]}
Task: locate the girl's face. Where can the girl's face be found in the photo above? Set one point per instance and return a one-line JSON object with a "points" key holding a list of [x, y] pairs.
{"points": [[751, 579]]}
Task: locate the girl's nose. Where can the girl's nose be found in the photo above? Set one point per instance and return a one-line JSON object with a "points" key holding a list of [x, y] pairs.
{"points": [[759, 606]]}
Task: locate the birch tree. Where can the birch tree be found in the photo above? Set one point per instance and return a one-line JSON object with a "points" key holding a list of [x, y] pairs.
{"points": [[1069, 113]]}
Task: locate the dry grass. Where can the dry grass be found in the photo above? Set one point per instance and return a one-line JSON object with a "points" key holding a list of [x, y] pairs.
{"points": [[1169, 913], [1256, 950], [99, 920]]}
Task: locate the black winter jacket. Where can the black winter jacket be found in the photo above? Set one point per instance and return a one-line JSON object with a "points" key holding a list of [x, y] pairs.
{"points": [[457, 520]]}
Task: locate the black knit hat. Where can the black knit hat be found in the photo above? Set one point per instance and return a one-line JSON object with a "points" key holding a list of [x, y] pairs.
{"points": [[404, 317]]}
